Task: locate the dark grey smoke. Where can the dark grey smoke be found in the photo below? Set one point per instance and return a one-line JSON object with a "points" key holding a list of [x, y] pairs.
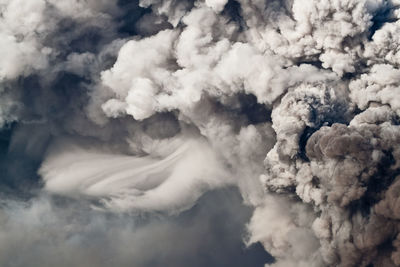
{"points": [[132, 131], [56, 231]]}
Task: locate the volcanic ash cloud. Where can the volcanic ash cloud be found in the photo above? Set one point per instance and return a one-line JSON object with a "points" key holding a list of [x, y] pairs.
{"points": [[144, 106]]}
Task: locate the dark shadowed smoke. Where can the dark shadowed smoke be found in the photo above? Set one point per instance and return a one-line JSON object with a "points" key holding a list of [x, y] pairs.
{"points": [[199, 133], [61, 232]]}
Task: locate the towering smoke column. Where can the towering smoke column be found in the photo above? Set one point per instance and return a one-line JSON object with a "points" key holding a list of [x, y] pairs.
{"points": [[143, 106]]}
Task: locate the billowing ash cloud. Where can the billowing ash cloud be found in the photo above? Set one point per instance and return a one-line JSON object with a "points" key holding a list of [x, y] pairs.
{"points": [[112, 111]]}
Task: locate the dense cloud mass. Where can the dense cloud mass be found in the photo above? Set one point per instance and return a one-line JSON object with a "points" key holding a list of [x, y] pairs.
{"points": [[126, 125]]}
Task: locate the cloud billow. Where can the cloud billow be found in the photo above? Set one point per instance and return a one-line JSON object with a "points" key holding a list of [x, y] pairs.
{"points": [[149, 107]]}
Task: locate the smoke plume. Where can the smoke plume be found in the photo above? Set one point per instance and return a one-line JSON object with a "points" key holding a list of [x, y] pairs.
{"points": [[128, 124]]}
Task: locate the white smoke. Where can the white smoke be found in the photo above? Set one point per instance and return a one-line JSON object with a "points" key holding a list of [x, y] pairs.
{"points": [[171, 178], [149, 104]]}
